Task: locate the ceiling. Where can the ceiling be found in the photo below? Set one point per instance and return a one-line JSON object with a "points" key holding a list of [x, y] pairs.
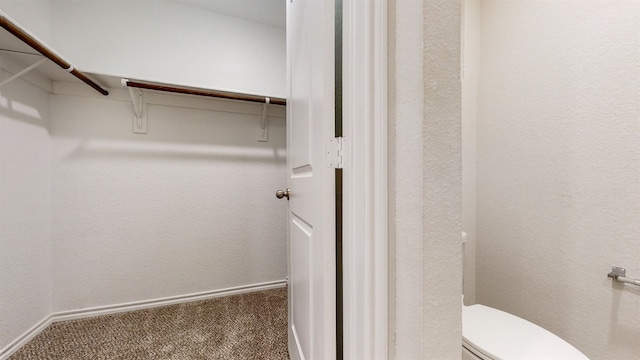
{"points": [[271, 12]]}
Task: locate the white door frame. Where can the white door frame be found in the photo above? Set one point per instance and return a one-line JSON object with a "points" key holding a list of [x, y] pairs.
{"points": [[365, 182]]}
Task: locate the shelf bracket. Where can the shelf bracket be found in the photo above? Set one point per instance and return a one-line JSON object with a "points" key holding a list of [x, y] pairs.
{"points": [[263, 133], [22, 72], [139, 115]]}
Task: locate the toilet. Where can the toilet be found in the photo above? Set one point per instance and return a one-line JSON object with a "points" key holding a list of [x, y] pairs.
{"points": [[491, 334]]}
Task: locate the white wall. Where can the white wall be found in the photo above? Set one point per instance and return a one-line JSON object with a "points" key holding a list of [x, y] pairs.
{"points": [[188, 207], [471, 53], [169, 42], [25, 204], [559, 168], [34, 15], [442, 253], [425, 193]]}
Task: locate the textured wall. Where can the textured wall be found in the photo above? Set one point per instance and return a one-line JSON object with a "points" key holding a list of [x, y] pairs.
{"points": [[25, 203], [169, 42], [425, 170], [559, 168], [189, 207], [470, 73], [442, 253], [406, 193]]}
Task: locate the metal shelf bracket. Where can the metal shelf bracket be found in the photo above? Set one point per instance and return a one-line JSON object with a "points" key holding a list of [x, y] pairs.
{"points": [[263, 132], [22, 72], [139, 116]]}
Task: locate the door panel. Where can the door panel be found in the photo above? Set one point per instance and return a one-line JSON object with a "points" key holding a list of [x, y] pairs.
{"points": [[301, 239], [300, 86]]}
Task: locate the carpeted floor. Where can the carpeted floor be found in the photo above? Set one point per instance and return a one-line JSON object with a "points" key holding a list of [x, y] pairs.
{"points": [[246, 326]]}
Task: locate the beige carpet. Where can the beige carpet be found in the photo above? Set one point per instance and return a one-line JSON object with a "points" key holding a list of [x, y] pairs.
{"points": [[246, 326]]}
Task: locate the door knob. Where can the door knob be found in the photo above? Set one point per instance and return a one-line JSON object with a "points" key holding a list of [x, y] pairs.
{"points": [[280, 194]]}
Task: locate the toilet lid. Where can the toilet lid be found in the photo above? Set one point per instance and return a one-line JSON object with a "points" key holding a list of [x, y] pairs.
{"points": [[497, 335]]}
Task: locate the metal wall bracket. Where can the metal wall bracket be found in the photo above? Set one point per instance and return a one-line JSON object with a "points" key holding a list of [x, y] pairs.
{"points": [[139, 115], [263, 131], [22, 72], [620, 274]]}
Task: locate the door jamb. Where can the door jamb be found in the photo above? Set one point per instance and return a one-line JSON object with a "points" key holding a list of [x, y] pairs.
{"points": [[365, 187]]}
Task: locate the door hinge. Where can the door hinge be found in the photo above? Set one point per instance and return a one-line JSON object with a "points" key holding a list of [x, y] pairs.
{"points": [[335, 153]]}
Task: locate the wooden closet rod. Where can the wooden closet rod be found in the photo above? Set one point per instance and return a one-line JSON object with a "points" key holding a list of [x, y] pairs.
{"points": [[18, 32], [209, 93]]}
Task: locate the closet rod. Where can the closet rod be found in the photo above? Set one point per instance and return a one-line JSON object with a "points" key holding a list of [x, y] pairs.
{"points": [[209, 93], [18, 32]]}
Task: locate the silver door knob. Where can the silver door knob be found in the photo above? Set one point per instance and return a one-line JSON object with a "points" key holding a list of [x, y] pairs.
{"points": [[280, 194]]}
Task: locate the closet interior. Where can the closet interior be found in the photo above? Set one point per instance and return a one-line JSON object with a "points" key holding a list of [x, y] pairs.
{"points": [[122, 187]]}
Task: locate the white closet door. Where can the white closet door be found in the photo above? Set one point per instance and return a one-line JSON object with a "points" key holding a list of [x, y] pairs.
{"points": [[311, 216]]}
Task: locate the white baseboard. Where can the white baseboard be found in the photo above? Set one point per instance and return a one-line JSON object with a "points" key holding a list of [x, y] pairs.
{"points": [[24, 338], [145, 304], [132, 306]]}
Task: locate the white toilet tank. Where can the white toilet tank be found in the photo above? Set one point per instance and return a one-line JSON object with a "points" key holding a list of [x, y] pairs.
{"points": [[491, 334]]}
